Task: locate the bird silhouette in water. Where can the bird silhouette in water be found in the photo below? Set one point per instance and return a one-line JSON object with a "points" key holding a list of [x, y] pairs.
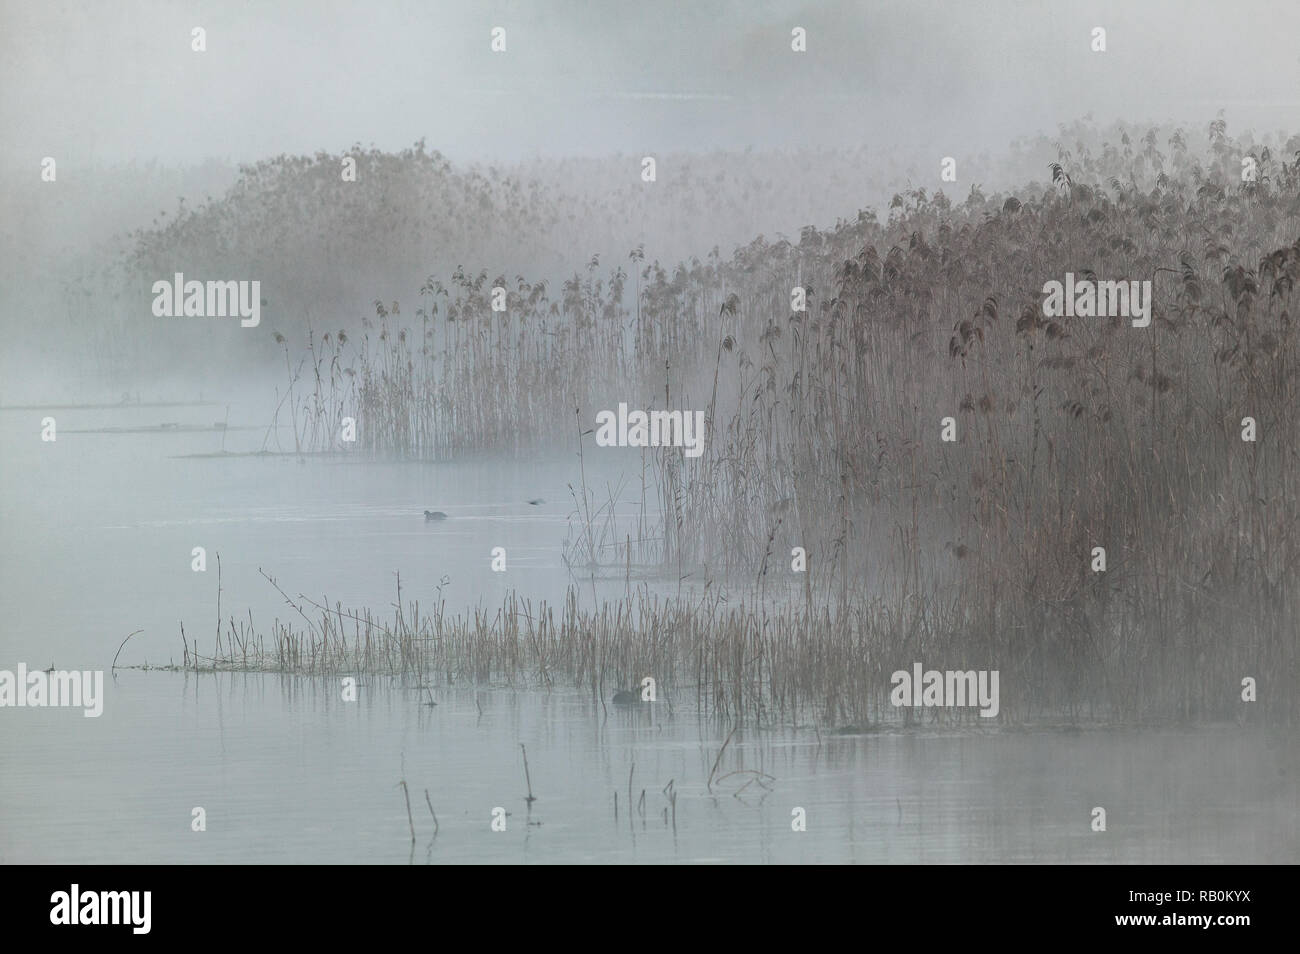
{"points": [[434, 515], [537, 500], [627, 697]]}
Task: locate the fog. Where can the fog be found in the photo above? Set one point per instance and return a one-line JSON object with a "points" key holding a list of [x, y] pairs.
{"points": [[118, 81], [143, 127], [858, 462]]}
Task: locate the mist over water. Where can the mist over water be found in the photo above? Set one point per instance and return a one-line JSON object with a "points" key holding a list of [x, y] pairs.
{"points": [[130, 443], [922, 798]]}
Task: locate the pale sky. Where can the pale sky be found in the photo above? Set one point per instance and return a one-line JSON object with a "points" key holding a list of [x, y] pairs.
{"points": [[117, 80]]}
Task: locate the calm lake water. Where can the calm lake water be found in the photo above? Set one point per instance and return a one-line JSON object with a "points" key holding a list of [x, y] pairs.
{"points": [[96, 533]]}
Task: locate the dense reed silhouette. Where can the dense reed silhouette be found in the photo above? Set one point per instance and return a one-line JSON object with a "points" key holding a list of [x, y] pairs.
{"points": [[824, 424]]}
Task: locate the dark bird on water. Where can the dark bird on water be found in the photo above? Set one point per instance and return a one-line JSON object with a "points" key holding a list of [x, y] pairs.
{"points": [[627, 697], [434, 515], [537, 500]]}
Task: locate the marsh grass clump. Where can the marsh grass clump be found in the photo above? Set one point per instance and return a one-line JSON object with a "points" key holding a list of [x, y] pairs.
{"points": [[752, 662], [748, 662]]}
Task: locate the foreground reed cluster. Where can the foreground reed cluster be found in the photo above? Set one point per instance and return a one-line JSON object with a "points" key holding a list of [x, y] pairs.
{"points": [[749, 662]]}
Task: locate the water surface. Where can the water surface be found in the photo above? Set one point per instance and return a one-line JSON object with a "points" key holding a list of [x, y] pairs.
{"points": [[96, 534]]}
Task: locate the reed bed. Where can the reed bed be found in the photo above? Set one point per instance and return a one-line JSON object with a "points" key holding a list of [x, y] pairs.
{"points": [[824, 433]]}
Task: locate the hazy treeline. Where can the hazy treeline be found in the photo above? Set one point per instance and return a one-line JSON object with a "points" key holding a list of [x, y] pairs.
{"points": [[325, 249]]}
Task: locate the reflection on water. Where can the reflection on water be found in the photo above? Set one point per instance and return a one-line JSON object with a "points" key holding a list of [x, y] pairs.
{"points": [[97, 535], [288, 771]]}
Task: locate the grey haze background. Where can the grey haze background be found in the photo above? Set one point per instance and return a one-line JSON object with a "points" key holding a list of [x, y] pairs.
{"points": [[116, 81], [96, 530], [137, 121]]}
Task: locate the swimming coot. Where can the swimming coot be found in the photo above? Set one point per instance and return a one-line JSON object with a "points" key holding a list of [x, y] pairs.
{"points": [[434, 515], [627, 697]]}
